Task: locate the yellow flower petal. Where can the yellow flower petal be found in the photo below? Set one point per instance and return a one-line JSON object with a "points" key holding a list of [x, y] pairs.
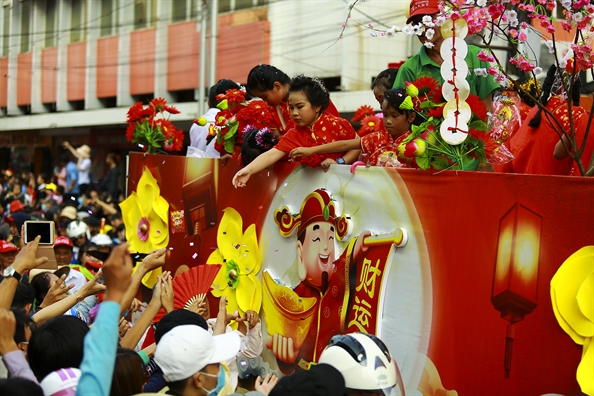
{"points": [[249, 252], [150, 279], [249, 293], [231, 301], [566, 283], [131, 217], [585, 297], [161, 208], [148, 191], [220, 281], [158, 231], [584, 372], [229, 234]]}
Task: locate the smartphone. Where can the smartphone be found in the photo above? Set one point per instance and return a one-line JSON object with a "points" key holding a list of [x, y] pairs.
{"points": [[138, 256], [45, 229]]}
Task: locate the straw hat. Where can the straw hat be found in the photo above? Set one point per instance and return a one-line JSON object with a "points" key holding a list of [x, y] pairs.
{"points": [[84, 151]]}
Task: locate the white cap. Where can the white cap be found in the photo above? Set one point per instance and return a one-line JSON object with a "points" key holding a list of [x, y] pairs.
{"points": [[102, 240], [185, 350], [61, 382]]}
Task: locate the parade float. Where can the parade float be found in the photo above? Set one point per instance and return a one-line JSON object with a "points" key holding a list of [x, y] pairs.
{"points": [[459, 273]]}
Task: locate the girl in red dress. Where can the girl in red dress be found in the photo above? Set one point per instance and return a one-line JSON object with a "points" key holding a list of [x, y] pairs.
{"points": [[308, 100], [272, 86], [396, 121]]}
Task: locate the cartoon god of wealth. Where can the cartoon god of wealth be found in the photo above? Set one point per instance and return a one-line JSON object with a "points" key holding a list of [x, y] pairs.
{"points": [[300, 322]]}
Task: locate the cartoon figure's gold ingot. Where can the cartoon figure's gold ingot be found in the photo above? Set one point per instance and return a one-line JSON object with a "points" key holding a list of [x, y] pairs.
{"points": [[286, 313]]}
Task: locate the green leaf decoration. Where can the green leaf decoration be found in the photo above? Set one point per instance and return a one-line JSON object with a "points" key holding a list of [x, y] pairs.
{"points": [[229, 145], [232, 131], [478, 124], [424, 162], [440, 163]]}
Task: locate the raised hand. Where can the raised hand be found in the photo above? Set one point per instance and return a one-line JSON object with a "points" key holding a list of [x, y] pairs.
{"points": [[117, 272], [57, 292], [265, 385], [250, 317], [154, 260], [137, 305], [167, 291], [241, 177], [93, 286], [25, 260], [7, 330], [123, 327], [300, 152]]}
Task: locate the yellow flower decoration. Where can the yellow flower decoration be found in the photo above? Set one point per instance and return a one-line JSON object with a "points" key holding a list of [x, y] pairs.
{"points": [[407, 104], [145, 215], [239, 254], [572, 289], [412, 90]]}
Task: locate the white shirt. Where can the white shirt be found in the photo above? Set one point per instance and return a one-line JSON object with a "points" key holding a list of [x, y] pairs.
{"points": [[83, 171], [251, 347], [77, 278], [199, 133]]}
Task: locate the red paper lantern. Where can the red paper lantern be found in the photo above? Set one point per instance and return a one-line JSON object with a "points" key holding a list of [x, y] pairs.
{"points": [[515, 283]]}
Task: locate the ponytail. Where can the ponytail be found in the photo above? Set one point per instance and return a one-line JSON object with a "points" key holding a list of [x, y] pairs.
{"points": [[546, 93]]}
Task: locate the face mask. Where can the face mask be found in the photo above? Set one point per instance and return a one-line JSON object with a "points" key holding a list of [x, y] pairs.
{"points": [[43, 207], [220, 382]]}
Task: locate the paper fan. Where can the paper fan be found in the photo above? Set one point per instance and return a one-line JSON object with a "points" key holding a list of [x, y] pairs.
{"points": [[191, 286]]}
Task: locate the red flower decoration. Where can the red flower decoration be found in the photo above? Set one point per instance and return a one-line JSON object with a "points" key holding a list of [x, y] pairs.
{"points": [[167, 127], [435, 112], [477, 106], [223, 117], [232, 96], [137, 112], [256, 113], [487, 141], [130, 131], [362, 112], [428, 88], [370, 124], [151, 131]]}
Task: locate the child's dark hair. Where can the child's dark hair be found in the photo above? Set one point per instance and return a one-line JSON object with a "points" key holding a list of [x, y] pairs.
{"points": [[394, 98], [255, 142], [547, 85], [529, 86], [220, 87], [385, 79], [263, 77], [313, 88]]}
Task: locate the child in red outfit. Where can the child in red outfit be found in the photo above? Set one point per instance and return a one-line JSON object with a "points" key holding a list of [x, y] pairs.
{"points": [[308, 101], [396, 121]]}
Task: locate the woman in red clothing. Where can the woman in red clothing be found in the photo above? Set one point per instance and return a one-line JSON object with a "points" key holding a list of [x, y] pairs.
{"points": [[308, 100], [272, 86], [397, 123], [534, 143]]}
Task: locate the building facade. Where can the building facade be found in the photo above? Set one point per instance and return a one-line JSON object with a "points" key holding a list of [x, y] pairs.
{"points": [[69, 69]]}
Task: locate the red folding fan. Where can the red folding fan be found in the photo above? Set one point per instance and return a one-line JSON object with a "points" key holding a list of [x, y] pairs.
{"points": [[190, 286]]}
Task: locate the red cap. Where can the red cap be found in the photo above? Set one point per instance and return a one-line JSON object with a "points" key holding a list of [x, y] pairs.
{"points": [[6, 247], [16, 205], [422, 7], [317, 207], [63, 241]]}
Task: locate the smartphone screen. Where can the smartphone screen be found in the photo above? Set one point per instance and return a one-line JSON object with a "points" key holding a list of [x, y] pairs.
{"points": [[138, 256], [41, 228]]}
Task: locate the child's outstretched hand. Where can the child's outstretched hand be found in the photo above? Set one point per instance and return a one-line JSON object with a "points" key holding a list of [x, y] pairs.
{"points": [[241, 177], [301, 152]]}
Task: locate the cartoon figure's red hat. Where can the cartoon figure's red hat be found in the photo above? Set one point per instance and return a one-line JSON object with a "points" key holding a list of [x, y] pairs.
{"points": [[316, 207]]}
